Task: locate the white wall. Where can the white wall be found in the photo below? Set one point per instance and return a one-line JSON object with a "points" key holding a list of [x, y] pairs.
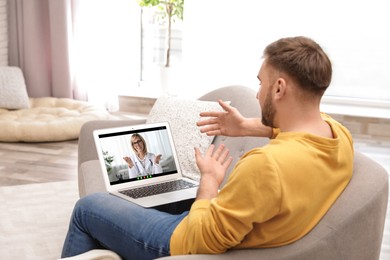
{"points": [[223, 41]]}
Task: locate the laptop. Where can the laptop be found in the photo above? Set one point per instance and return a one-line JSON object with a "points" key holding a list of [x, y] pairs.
{"points": [[144, 182]]}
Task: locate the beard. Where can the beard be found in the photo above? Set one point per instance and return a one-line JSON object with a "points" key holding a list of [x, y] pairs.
{"points": [[268, 112]]}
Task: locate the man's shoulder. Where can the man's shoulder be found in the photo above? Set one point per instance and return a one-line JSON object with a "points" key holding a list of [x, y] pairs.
{"points": [[258, 156], [337, 126]]}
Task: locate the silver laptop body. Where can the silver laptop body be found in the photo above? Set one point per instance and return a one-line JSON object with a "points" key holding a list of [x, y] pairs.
{"points": [[113, 144]]}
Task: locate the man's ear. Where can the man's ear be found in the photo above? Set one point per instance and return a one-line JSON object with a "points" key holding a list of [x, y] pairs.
{"points": [[280, 88]]}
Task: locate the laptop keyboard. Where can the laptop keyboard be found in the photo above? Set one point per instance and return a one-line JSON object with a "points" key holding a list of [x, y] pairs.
{"points": [[159, 188]]}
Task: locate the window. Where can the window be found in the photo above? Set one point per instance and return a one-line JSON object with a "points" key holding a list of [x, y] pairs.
{"points": [[153, 45], [220, 43], [107, 48], [120, 47], [154, 37]]}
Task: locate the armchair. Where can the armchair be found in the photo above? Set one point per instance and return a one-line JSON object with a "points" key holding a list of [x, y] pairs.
{"points": [[352, 228]]}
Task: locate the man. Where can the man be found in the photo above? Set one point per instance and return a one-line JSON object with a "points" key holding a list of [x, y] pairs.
{"points": [[275, 194]]}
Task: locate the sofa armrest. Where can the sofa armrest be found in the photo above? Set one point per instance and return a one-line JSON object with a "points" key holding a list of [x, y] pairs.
{"points": [[90, 178]]}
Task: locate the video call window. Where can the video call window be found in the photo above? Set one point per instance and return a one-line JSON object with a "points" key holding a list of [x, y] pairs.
{"points": [[117, 146]]}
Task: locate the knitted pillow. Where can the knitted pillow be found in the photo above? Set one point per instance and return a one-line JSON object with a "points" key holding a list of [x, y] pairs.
{"points": [[182, 116], [13, 92]]}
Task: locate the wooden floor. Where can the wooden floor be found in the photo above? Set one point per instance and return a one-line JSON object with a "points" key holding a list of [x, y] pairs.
{"points": [[27, 163]]}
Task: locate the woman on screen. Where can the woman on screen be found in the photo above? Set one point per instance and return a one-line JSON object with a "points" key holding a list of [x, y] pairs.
{"points": [[142, 163]]}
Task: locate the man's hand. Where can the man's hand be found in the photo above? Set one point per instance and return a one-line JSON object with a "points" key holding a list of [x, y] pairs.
{"points": [[231, 122], [213, 166], [225, 123]]}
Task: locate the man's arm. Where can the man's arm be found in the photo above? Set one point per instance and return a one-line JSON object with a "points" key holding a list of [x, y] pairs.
{"points": [[232, 123]]}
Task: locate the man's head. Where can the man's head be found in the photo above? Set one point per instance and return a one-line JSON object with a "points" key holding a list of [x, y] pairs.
{"points": [[298, 62]]}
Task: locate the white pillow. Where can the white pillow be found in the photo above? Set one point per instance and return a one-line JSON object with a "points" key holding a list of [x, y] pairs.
{"points": [[13, 92], [182, 115]]}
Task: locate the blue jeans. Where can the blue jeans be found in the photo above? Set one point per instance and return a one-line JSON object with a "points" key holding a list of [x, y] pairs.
{"points": [[102, 220]]}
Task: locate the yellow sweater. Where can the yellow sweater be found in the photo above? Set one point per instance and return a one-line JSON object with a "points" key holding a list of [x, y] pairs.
{"points": [[275, 195]]}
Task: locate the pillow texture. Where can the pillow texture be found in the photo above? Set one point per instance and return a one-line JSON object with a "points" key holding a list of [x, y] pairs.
{"points": [[13, 92], [182, 115]]}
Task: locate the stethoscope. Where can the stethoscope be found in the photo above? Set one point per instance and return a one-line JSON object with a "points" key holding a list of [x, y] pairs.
{"points": [[140, 168]]}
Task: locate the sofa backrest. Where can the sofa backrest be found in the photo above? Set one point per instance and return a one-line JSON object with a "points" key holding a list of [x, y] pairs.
{"points": [[244, 99]]}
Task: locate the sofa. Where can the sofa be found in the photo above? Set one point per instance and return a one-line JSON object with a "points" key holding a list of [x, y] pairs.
{"points": [[352, 228]]}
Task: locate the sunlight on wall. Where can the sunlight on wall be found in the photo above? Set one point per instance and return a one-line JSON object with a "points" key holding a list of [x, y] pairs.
{"points": [[224, 39], [223, 42]]}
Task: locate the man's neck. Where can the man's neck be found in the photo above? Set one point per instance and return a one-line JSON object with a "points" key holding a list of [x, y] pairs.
{"points": [[308, 120]]}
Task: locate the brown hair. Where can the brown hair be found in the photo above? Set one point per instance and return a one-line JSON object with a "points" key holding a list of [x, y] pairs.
{"points": [[145, 150], [302, 59]]}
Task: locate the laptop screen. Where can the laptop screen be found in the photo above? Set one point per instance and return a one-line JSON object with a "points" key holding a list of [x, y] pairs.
{"points": [[134, 155]]}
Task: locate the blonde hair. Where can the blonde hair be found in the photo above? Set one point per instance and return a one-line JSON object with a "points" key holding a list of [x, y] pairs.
{"points": [[145, 150]]}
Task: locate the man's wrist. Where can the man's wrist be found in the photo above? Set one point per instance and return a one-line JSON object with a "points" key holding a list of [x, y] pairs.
{"points": [[254, 127], [208, 188]]}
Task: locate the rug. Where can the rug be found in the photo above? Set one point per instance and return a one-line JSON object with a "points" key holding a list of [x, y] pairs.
{"points": [[34, 219]]}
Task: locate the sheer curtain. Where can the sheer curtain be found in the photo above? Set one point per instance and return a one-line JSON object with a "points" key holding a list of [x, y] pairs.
{"points": [[3, 34], [40, 37], [81, 49]]}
